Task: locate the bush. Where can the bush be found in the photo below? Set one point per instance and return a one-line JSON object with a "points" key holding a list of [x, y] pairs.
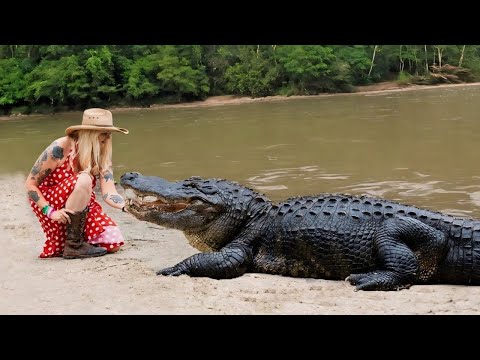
{"points": [[20, 110], [404, 78], [43, 109], [286, 90]]}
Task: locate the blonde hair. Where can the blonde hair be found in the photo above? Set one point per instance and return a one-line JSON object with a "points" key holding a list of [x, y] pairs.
{"points": [[93, 157]]}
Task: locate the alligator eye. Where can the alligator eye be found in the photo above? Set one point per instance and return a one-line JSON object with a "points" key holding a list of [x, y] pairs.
{"points": [[202, 187], [193, 178]]}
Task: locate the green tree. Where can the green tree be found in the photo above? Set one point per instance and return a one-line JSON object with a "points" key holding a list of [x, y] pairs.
{"points": [[252, 75], [140, 81], [355, 61], [166, 72], [471, 58], [305, 64], [12, 82], [57, 82], [217, 59], [182, 76], [100, 73]]}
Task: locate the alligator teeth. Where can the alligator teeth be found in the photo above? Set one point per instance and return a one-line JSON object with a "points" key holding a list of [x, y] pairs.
{"points": [[130, 194], [171, 208], [149, 199], [150, 202]]}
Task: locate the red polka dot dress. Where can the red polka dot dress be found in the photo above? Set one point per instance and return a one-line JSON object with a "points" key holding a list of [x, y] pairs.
{"points": [[100, 229]]}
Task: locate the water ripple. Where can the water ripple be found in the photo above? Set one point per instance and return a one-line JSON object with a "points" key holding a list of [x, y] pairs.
{"points": [[302, 172], [281, 178], [403, 188]]}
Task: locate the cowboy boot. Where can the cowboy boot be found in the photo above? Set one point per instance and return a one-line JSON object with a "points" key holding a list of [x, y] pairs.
{"points": [[75, 245]]}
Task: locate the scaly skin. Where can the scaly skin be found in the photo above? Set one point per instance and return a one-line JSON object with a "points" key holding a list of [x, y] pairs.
{"points": [[374, 244]]}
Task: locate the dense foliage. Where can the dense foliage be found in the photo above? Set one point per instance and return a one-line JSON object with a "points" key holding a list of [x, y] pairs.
{"points": [[45, 78]]}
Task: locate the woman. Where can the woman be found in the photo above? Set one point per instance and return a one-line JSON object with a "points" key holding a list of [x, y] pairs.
{"points": [[60, 189]]}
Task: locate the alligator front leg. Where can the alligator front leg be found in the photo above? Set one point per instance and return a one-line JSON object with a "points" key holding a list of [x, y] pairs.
{"points": [[395, 243], [227, 263]]}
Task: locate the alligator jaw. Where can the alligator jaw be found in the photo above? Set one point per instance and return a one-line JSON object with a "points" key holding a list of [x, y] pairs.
{"points": [[146, 203]]}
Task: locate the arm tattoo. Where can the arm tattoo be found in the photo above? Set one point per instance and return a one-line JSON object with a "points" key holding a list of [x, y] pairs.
{"points": [[44, 175], [108, 175], [57, 152], [104, 197], [117, 199], [33, 195], [38, 164]]}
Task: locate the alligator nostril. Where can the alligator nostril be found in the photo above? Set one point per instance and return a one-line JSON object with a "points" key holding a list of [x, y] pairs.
{"points": [[129, 176]]}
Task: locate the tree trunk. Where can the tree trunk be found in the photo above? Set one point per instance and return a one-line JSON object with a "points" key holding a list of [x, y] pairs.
{"points": [[416, 62], [402, 64], [373, 59], [461, 57], [426, 60]]}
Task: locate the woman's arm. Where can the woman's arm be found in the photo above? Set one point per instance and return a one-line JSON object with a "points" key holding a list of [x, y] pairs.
{"points": [[53, 156], [109, 192]]}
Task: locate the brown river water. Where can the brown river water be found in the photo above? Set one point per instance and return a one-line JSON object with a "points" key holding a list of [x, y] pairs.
{"points": [[418, 147]]}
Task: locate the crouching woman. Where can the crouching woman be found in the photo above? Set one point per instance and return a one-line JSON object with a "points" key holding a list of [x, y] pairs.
{"points": [[60, 190]]}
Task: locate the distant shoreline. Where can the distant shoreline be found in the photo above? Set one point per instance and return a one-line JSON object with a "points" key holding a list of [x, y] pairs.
{"points": [[384, 87]]}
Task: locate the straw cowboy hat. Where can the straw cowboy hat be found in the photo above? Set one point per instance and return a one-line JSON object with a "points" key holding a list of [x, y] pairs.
{"points": [[96, 119]]}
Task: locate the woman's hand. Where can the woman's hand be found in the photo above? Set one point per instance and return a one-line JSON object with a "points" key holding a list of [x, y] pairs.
{"points": [[62, 216]]}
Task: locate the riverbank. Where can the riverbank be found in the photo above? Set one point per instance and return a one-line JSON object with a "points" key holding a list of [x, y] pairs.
{"points": [[125, 282], [383, 87]]}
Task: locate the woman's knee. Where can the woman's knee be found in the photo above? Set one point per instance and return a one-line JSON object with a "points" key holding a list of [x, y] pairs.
{"points": [[84, 182]]}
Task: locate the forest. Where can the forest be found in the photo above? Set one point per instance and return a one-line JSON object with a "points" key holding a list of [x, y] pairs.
{"points": [[50, 78]]}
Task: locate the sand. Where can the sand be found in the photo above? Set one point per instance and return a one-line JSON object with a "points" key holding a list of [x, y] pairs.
{"points": [[125, 282]]}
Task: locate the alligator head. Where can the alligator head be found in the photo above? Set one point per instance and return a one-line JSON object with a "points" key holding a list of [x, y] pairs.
{"points": [[210, 212]]}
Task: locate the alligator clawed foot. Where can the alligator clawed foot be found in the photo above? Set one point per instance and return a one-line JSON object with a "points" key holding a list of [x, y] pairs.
{"points": [[353, 279], [170, 271], [366, 281], [379, 280]]}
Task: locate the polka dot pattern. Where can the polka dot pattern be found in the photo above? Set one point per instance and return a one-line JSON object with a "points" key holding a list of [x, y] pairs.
{"points": [[100, 229]]}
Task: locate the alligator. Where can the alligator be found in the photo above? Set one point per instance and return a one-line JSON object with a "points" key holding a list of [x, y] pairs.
{"points": [[374, 244]]}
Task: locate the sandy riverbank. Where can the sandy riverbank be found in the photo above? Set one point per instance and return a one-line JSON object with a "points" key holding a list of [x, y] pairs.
{"points": [[383, 87], [125, 282]]}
